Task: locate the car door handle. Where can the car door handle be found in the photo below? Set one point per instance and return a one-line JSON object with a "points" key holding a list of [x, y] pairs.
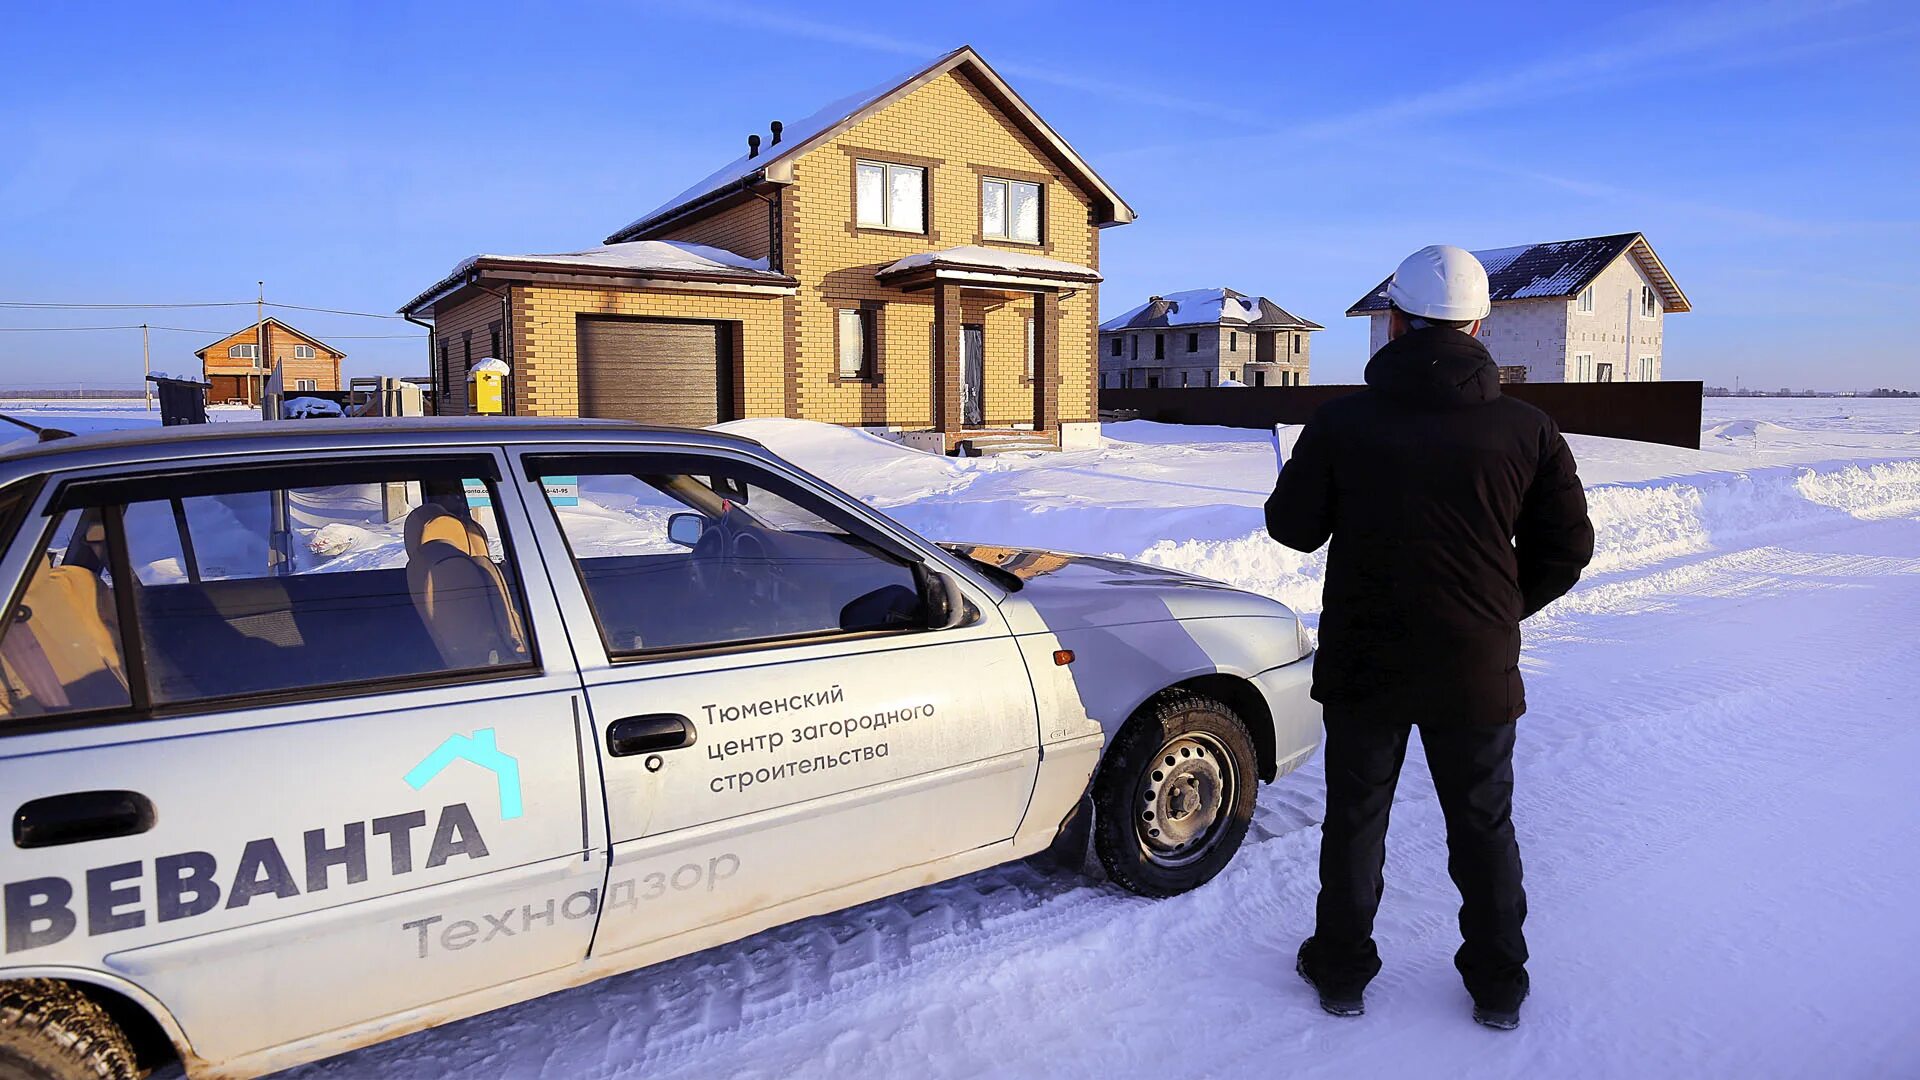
{"points": [[80, 816], [649, 734]]}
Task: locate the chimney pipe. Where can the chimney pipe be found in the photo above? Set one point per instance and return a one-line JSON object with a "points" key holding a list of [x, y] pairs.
{"points": [[753, 146], [778, 127]]}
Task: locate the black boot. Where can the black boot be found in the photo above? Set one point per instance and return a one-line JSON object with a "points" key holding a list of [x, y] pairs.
{"points": [[1336, 1000], [1500, 1008]]}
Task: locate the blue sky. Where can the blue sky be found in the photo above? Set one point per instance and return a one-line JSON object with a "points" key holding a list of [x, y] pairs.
{"points": [[350, 154]]}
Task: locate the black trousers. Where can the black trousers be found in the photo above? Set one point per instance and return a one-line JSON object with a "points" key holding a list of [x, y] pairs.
{"points": [[1473, 774]]}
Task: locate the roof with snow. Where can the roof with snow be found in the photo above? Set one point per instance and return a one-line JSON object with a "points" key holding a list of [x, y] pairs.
{"points": [[1554, 271], [774, 165], [1208, 307], [994, 260], [665, 259], [252, 330]]}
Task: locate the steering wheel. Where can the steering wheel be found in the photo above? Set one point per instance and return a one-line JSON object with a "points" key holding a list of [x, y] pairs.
{"points": [[730, 562]]}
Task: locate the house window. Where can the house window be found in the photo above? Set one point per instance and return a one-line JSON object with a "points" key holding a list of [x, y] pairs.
{"points": [[1135, 339], [1603, 373], [1296, 344], [1259, 378], [1030, 348], [303, 352], [445, 379], [493, 339], [1233, 373], [890, 196], [1513, 373], [1646, 369], [1116, 346], [1233, 341], [1649, 302], [466, 350], [1209, 376], [243, 352], [305, 384], [1010, 210], [1183, 378], [1584, 302], [1153, 380], [1159, 346], [1583, 367], [1193, 342], [856, 344]]}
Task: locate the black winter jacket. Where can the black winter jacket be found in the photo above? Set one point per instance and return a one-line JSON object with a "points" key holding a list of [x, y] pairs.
{"points": [[1455, 512]]}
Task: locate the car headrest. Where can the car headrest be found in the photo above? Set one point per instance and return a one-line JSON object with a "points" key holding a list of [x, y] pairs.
{"points": [[476, 539], [447, 529], [417, 523]]}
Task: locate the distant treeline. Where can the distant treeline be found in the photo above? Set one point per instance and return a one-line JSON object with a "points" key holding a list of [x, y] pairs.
{"points": [[73, 392], [1877, 392]]}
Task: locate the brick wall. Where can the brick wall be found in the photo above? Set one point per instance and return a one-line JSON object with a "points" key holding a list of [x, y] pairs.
{"points": [[741, 229], [546, 357], [953, 130]]}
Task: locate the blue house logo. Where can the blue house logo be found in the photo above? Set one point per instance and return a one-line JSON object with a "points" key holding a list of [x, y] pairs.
{"points": [[481, 749]]}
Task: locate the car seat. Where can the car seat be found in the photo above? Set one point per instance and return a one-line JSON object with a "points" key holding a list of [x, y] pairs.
{"points": [[59, 651], [462, 598]]}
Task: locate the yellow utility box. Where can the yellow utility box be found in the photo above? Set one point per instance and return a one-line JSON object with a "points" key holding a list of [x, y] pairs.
{"points": [[487, 387]]}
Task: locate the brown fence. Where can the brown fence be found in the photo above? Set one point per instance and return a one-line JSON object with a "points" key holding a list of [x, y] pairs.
{"points": [[1655, 412]]}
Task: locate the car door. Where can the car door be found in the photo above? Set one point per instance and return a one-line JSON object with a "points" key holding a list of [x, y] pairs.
{"points": [[775, 717], [314, 761]]}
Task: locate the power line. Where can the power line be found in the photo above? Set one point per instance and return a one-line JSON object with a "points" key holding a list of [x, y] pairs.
{"points": [[40, 306], [334, 311], [133, 326]]}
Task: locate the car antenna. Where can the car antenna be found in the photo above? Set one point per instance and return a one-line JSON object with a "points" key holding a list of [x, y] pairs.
{"points": [[47, 434]]}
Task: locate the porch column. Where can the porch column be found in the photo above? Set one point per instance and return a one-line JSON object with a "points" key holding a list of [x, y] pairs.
{"points": [[946, 356], [1046, 361]]}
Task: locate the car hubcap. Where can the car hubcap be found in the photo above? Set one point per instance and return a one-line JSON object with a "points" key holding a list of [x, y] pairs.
{"points": [[1183, 795]]}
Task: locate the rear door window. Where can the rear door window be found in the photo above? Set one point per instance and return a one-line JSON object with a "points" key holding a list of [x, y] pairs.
{"points": [[257, 581], [60, 649]]}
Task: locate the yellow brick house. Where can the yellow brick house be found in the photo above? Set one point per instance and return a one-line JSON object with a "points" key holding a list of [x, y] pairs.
{"points": [[921, 259]]}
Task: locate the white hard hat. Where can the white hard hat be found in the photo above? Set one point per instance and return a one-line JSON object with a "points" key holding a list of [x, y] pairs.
{"points": [[1441, 281]]}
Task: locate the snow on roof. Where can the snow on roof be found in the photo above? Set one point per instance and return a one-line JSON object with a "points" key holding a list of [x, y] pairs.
{"points": [[1560, 268], [791, 136], [657, 256], [973, 256], [1208, 307]]}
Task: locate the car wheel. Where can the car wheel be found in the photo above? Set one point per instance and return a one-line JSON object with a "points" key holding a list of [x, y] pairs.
{"points": [[51, 1031], [1174, 795]]}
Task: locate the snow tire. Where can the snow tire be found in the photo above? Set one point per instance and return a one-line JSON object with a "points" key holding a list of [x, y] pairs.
{"points": [[51, 1031], [1124, 787]]}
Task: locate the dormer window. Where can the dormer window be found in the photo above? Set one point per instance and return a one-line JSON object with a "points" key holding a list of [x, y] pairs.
{"points": [[889, 196], [1010, 210]]}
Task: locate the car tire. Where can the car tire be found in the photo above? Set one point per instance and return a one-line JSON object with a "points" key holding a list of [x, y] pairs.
{"points": [[51, 1031], [1174, 795]]}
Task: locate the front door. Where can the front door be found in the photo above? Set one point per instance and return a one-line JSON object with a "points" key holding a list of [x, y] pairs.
{"points": [[973, 375], [775, 720], [322, 720]]}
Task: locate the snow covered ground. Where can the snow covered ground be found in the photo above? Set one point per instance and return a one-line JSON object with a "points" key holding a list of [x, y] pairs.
{"points": [[1715, 801]]}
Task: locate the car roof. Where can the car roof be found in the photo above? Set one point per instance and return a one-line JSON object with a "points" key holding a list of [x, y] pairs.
{"points": [[331, 435]]}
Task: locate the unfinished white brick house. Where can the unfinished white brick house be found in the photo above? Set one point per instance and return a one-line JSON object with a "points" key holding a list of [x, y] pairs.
{"points": [[1206, 337], [1590, 310]]}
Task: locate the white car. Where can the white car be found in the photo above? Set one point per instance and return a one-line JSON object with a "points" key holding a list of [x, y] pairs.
{"points": [[316, 734]]}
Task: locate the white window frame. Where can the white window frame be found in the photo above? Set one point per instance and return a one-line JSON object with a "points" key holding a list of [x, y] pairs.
{"points": [[1032, 341], [1646, 369], [884, 220], [243, 352], [1583, 303], [863, 319], [306, 384], [1649, 303], [303, 352], [1583, 367], [1006, 209]]}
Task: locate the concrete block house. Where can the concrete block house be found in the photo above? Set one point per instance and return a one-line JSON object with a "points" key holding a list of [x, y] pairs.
{"points": [[237, 368], [921, 260], [1589, 310], [1206, 337]]}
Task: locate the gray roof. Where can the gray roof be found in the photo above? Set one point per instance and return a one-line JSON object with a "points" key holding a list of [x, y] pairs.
{"points": [[341, 435], [1555, 270], [1209, 307]]}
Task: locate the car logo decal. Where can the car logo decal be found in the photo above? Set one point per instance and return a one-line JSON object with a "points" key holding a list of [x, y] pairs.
{"points": [[481, 749]]}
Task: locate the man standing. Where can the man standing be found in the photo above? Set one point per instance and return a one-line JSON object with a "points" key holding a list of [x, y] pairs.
{"points": [[1454, 513]]}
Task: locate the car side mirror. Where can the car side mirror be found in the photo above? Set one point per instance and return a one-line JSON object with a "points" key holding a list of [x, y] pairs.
{"points": [[686, 529], [947, 604]]}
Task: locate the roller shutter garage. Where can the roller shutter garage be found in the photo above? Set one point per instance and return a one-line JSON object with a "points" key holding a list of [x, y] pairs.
{"points": [[655, 372]]}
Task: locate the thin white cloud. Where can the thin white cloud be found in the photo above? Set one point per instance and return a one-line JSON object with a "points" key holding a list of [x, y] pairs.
{"points": [[769, 20]]}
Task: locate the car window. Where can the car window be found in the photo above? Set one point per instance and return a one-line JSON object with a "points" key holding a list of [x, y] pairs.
{"points": [[679, 552], [60, 647], [270, 581]]}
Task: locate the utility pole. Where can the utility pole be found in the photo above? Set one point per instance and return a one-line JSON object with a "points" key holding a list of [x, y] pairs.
{"points": [[146, 361], [260, 332]]}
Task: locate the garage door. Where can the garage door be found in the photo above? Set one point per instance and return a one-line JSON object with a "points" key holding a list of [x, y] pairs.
{"points": [[654, 372]]}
